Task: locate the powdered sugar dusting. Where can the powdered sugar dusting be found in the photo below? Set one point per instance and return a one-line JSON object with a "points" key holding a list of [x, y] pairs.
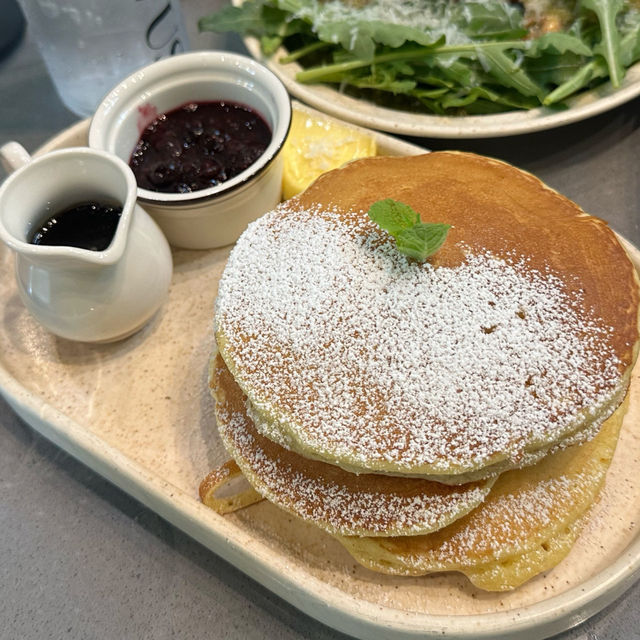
{"points": [[502, 528], [507, 523], [334, 506], [353, 352]]}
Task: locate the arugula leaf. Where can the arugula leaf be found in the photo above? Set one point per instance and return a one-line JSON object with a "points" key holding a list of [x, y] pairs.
{"points": [[609, 47], [414, 238], [362, 38], [246, 18], [396, 87], [270, 44], [417, 55], [595, 69], [458, 73], [556, 42], [509, 73], [490, 19], [630, 43], [257, 19], [481, 95], [552, 70]]}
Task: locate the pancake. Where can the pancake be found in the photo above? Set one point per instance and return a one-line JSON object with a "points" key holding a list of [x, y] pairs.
{"points": [[526, 525], [518, 334], [217, 480], [518, 569], [325, 495]]}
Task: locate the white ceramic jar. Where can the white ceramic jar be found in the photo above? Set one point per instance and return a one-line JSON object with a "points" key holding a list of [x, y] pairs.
{"points": [[215, 216], [77, 293]]}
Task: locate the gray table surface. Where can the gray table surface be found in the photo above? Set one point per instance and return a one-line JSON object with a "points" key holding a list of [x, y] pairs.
{"points": [[81, 559]]}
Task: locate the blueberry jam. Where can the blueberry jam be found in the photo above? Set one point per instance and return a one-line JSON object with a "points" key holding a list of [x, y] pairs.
{"points": [[88, 225], [198, 145]]}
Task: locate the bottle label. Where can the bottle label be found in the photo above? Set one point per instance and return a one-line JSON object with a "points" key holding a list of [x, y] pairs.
{"points": [[165, 33]]}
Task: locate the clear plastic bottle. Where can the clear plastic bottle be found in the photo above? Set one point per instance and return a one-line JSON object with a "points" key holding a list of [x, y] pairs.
{"points": [[88, 46]]}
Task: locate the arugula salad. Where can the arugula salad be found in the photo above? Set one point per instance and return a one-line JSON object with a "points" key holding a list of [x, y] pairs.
{"points": [[449, 57]]}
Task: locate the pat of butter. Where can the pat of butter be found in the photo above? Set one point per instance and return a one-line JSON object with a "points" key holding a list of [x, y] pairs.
{"points": [[316, 145]]}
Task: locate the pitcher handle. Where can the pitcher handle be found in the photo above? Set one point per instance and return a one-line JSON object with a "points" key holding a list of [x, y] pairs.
{"points": [[13, 156]]}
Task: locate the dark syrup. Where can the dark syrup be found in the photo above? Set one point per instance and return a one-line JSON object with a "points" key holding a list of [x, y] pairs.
{"points": [[88, 225], [198, 145]]}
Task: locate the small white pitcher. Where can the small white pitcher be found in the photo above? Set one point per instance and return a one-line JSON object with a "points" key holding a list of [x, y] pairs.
{"points": [[80, 294]]}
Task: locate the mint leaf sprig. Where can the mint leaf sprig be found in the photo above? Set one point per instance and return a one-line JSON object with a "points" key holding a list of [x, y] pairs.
{"points": [[414, 238]]}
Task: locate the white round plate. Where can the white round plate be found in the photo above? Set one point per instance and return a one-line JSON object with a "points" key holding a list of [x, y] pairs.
{"points": [[328, 99]]}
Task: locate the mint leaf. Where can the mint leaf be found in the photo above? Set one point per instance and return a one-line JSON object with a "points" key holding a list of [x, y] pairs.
{"points": [[422, 240], [414, 238], [393, 216]]}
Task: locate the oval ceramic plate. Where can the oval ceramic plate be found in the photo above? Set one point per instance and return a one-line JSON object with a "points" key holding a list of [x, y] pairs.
{"points": [[366, 114], [150, 429]]}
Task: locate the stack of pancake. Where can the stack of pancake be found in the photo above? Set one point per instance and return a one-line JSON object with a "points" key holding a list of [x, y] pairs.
{"points": [[456, 414]]}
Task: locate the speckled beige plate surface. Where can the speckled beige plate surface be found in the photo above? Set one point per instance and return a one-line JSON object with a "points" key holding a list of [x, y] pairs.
{"points": [[139, 413]]}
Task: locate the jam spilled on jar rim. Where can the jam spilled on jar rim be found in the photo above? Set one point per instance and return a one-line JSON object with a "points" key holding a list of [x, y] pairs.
{"points": [[198, 145], [86, 225]]}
